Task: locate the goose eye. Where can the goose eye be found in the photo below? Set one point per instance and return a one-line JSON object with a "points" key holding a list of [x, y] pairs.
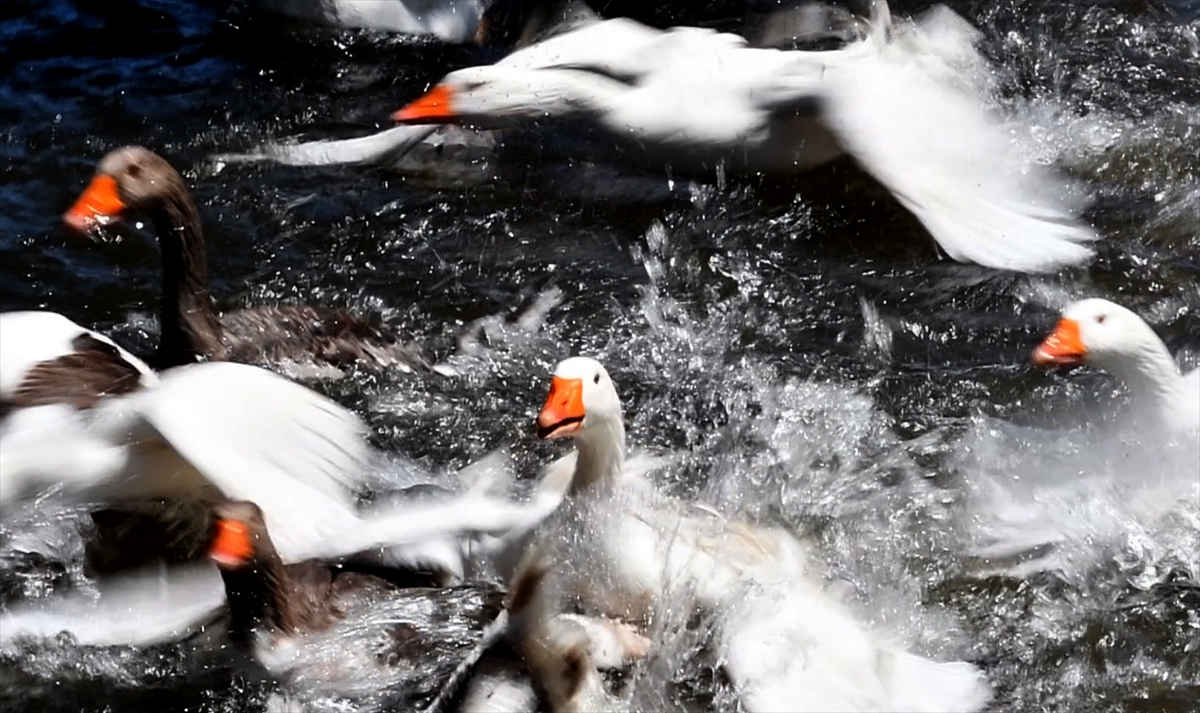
{"points": [[133, 170], [596, 379], [1100, 319]]}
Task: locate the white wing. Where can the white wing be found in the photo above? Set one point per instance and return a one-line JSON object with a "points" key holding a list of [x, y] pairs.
{"points": [[235, 422], [373, 149], [142, 608], [47, 445], [914, 125], [251, 435], [423, 520], [30, 337]]}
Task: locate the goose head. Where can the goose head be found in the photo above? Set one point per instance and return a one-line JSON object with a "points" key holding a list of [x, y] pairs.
{"points": [[1115, 339], [241, 536], [582, 403], [499, 96], [132, 179], [1099, 332]]}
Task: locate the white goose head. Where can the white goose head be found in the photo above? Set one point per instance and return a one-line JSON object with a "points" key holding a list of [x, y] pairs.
{"points": [[582, 401], [499, 96], [1109, 336], [583, 405], [1100, 332]]}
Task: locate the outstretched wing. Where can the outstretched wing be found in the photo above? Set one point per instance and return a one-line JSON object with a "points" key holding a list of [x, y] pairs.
{"points": [[913, 122]]}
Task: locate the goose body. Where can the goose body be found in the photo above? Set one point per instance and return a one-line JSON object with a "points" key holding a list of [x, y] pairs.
{"points": [[135, 180], [81, 412], [330, 630], [1102, 333], [788, 644], [698, 100], [622, 533]]}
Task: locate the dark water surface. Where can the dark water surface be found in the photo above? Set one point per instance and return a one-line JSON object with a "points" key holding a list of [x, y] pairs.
{"points": [[804, 344]]}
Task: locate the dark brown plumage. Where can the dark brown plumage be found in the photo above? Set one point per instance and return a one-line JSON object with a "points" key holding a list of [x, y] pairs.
{"points": [[136, 180], [81, 378], [265, 596], [132, 534]]}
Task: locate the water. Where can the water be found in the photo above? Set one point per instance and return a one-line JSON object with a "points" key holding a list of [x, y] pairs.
{"points": [[801, 348]]}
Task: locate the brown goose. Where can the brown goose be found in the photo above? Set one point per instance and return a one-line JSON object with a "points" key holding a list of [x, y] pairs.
{"points": [[135, 180], [335, 631]]}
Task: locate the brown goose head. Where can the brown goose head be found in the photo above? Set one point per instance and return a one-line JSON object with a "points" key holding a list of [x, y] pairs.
{"points": [[256, 582], [241, 540], [136, 181], [131, 180]]}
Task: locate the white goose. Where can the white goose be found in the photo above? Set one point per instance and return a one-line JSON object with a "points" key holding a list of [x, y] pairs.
{"points": [[698, 100], [1097, 331], [79, 411], [447, 20], [788, 644], [638, 545]]}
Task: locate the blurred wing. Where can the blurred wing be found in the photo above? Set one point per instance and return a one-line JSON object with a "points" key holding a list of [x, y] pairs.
{"points": [[423, 520], [140, 609], [44, 446], [928, 139], [252, 435], [236, 422]]}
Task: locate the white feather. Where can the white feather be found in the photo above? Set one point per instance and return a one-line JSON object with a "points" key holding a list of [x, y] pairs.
{"points": [[796, 648], [926, 136], [139, 609], [377, 148]]}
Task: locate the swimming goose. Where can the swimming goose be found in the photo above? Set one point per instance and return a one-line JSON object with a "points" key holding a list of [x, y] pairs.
{"points": [[447, 20], [333, 630], [134, 179], [1097, 331], [77, 410], [788, 644], [698, 101], [621, 533]]}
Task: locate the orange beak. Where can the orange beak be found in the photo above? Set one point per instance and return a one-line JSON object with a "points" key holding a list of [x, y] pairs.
{"points": [[98, 204], [233, 546], [1062, 347], [436, 107], [562, 414]]}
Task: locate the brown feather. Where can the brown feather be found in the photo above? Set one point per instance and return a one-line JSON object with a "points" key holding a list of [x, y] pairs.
{"points": [[305, 332], [83, 377]]}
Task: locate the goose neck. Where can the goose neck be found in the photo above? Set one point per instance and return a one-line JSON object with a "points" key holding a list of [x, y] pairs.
{"points": [[1150, 375], [257, 600], [601, 457], [190, 328]]}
